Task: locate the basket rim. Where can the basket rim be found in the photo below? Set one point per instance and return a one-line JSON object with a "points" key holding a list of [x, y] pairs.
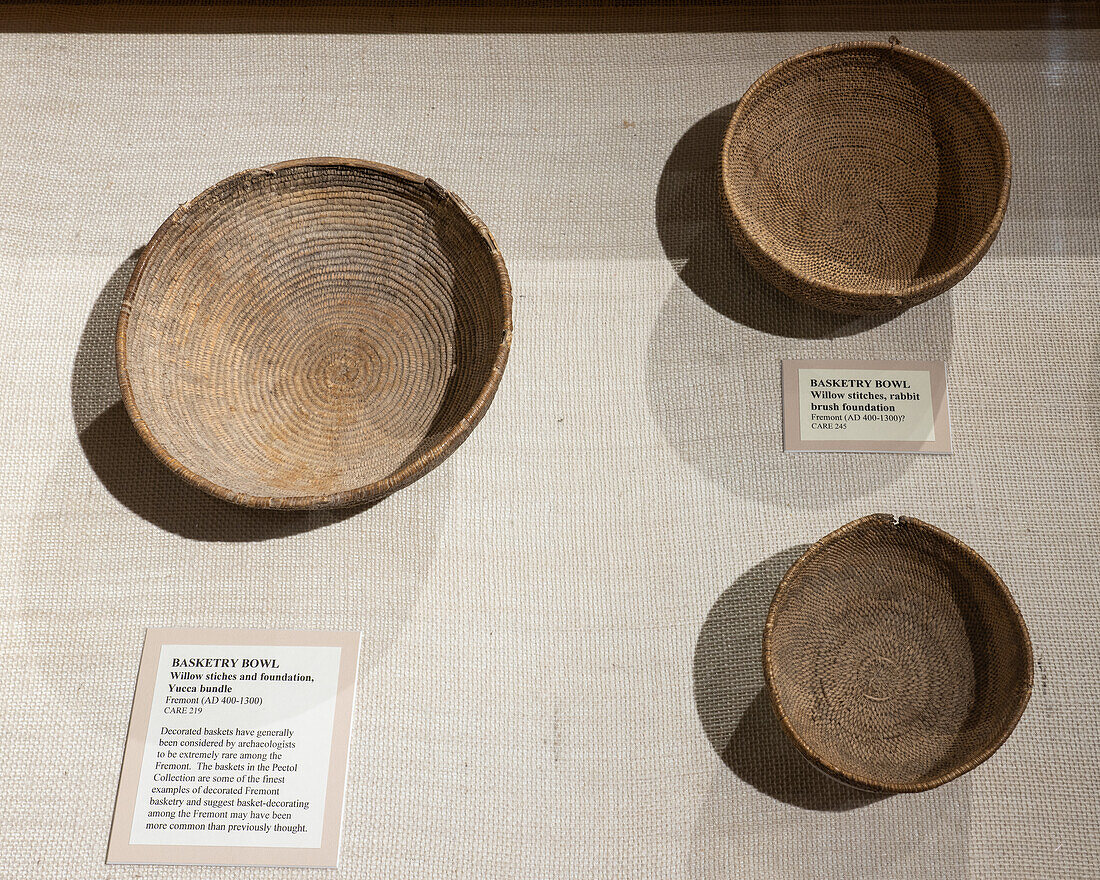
{"points": [[945, 279], [865, 782], [410, 471]]}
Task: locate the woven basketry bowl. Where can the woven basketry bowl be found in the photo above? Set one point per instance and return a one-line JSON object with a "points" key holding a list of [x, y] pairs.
{"points": [[316, 333], [894, 656], [864, 177]]}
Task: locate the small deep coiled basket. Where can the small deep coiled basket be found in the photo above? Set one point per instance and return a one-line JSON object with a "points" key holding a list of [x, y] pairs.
{"points": [[864, 177], [894, 656]]}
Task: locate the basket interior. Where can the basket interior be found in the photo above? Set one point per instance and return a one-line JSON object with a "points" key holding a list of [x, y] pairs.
{"points": [[311, 330], [865, 168], [896, 655]]}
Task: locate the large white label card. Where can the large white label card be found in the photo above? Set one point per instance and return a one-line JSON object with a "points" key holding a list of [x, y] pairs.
{"points": [[865, 406], [237, 750]]}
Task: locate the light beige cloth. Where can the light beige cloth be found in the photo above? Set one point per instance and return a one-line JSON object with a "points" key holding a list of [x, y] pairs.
{"points": [[560, 675]]}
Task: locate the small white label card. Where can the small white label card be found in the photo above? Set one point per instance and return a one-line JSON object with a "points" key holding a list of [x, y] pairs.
{"points": [[865, 406], [237, 751]]}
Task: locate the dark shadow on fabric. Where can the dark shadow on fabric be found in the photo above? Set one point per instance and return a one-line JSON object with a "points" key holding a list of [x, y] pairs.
{"points": [[697, 240], [130, 471], [733, 708], [762, 754]]}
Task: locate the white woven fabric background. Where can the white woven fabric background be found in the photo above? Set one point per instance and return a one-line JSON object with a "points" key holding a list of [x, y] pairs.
{"points": [[561, 624]]}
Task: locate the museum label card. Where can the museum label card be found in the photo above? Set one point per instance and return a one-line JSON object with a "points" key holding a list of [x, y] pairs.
{"points": [[865, 406], [237, 751]]}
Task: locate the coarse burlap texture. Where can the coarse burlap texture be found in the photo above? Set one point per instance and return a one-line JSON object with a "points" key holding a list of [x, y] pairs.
{"points": [[561, 625]]}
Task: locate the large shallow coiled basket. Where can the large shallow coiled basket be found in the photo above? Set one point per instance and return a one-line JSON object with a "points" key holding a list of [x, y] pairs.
{"points": [[316, 333], [894, 655], [864, 177]]}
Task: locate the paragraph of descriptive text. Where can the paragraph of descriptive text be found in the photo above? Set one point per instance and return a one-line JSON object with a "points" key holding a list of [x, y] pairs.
{"points": [[238, 746]]}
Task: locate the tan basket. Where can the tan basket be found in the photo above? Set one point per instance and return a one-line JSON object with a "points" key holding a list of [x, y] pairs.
{"points": [[864, 177], [894, 655], [316, 333]]}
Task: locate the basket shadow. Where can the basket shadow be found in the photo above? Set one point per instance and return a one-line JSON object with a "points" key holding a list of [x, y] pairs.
{"points": [[696, 238], [733, 707], [130, 471]]}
